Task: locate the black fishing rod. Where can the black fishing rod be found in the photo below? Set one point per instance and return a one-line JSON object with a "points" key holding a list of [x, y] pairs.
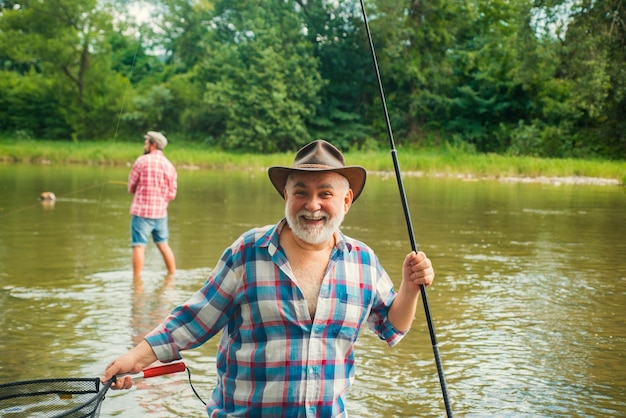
{"points": [[396, 165]]}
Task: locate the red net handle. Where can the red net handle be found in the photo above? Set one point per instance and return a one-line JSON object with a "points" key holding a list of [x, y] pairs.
{"points": [[165, 369]]}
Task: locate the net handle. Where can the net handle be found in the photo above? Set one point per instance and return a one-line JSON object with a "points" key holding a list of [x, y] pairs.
{"points": [[158, 370]]}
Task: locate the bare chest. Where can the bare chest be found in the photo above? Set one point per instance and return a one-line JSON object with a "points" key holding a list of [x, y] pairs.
{"points": [[308, 265], [309, 273]]}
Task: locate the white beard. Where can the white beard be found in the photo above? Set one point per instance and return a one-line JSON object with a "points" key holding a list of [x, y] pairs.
{"points": [[313, 234]]}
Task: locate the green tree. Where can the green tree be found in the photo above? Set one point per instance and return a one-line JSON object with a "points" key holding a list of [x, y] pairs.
{"points": [[181, 29], [29, 107], [335, 30], [488, 97], [130, 58], [414, 40], [571, 64], [261, 76], [593, 65], [179, 33], [66, 41]]}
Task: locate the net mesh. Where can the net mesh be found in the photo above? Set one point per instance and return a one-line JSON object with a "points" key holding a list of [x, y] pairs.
{"points": [[52, 398]]}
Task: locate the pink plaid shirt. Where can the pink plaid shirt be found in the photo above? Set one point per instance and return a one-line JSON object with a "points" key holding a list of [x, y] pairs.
{"points": [[153, 181]]}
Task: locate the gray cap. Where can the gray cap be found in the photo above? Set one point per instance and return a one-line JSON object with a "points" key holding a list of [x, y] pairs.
{"points": [[157, 138]]}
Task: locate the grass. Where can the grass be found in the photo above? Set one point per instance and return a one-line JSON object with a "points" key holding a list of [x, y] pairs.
{"points": [[441, 162]]}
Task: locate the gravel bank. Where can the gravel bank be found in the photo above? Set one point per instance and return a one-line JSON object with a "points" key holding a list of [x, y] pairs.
{"points": [[555, 181]]}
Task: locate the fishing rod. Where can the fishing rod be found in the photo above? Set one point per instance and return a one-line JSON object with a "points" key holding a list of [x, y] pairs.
{"points": [[405, 206]]}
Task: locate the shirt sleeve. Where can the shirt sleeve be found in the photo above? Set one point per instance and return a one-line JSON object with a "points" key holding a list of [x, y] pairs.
{"points": [[133, 177], [200, 318], [172, 185], [378, 321]]}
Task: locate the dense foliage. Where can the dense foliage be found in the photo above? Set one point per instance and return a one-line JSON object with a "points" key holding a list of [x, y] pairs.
{"points": [[522, 77]]}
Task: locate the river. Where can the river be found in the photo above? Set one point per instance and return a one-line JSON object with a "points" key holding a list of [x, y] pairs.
{"points": [[528, 302]]}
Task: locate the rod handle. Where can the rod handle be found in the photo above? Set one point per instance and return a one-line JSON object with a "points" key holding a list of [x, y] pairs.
{"points": [[165, 369]]}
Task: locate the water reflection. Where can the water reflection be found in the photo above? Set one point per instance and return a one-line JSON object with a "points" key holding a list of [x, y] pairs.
{"points": [[527, 305], [150, 308]]}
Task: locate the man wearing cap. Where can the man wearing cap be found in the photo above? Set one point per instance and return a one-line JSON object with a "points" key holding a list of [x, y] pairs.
{"points": [[289, 300], [153, 181]]}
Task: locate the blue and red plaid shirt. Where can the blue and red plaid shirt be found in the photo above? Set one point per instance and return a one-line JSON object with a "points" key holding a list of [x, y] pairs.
{"points": [[153, 181], [273, 359]]}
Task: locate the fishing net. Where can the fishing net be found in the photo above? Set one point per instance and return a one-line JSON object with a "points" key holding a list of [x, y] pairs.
{"points": [[52, 398]]}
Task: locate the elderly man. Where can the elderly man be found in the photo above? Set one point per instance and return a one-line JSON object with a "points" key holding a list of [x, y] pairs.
{"points": [[153, 181], [289, 300]]}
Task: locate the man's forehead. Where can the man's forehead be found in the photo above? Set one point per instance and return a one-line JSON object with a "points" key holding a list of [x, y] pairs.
{"points": [[314, 177]]}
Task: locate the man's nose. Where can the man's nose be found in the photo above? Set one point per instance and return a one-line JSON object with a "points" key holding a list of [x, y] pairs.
{"points": [[314, 203]]}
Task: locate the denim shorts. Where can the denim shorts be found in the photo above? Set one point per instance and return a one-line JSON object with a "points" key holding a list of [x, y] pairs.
{"points": [[141, 228]]}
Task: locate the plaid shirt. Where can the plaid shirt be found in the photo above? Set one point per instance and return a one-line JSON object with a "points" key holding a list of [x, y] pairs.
{"points": [[153, 181], [273, 359]]}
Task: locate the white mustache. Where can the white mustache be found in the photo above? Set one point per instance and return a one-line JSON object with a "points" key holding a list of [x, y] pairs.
{"points": [[313, 216]]}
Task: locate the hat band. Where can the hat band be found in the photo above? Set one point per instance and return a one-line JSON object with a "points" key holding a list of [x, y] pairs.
{"points": [[322, 166]]}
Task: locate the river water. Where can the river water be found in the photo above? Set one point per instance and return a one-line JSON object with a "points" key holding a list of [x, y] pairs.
{"points": [[528, 303]]}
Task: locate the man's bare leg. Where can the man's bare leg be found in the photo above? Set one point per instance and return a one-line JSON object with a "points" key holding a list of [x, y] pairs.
{"points": [[168, 257], [139, 252]]}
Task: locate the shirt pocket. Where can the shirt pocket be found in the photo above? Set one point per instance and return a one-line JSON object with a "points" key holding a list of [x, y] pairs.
{"points": [[351, 311]]}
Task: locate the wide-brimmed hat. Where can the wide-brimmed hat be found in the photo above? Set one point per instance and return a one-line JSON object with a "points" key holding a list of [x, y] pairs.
{"points": [[157, 138], [319, 156]]}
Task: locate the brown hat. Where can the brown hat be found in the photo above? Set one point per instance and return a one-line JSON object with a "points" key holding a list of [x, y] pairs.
{"points": [[319, 156]]}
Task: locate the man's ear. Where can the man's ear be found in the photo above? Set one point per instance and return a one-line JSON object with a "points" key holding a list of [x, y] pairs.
{"points": [[347, 200]]}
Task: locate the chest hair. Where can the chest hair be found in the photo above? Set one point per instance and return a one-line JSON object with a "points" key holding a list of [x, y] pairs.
{"points": [[308, 266]]}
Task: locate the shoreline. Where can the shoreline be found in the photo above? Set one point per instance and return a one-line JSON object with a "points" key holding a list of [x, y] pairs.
{"points": [[555, 181], [541, 179]]}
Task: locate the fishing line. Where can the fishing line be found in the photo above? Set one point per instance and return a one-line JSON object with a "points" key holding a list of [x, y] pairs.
{"points": [[102, 184], [13, 212], [396, 165], [115, 136], [119, 119], [194, 389], [122, 107]]}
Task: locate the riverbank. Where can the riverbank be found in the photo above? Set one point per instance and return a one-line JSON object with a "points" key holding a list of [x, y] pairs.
{"points": [[448, 162], [553, 180]]}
